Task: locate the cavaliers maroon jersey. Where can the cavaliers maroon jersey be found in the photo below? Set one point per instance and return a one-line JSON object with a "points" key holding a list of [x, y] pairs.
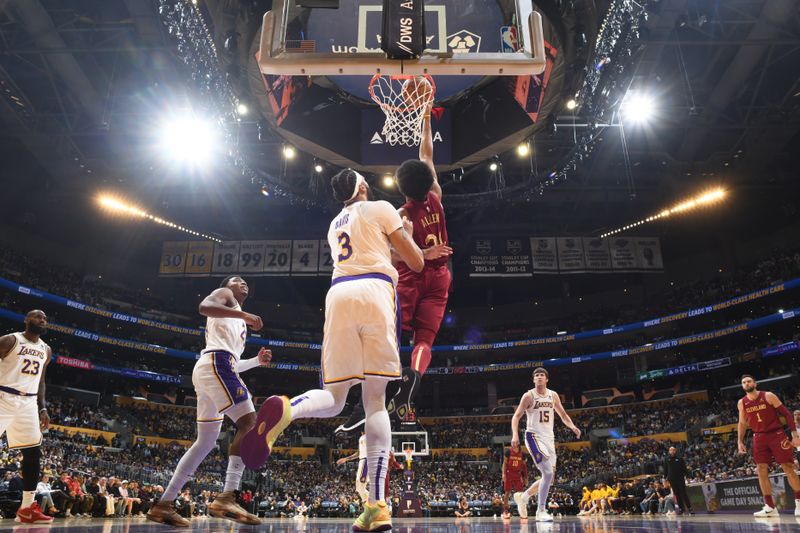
{"points": [[760, 415], [429, 228], [515, 464]]}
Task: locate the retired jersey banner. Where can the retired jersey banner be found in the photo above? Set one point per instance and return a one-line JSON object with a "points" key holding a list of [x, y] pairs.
{"points": [[544, 255], [509, 257], [597, 254], [570, 254]]}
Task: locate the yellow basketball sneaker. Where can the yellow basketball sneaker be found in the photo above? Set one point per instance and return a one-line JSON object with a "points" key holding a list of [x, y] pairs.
{"points": [[374, 518]]}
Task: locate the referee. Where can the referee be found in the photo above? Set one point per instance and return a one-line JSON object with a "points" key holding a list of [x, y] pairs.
{"points": [[675, 470]]}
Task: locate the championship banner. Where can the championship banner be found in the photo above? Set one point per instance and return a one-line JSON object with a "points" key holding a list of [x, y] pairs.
{"points": [[507, 258], [623, 254], [597, 254], [173, 258], [544, 255], [570, 254]]}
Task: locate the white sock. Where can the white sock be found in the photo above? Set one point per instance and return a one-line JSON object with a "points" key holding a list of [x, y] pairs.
{"points": [[379, 437], [320, 403], [525, 496], [233, 476], [27, 498], [207, 433]]}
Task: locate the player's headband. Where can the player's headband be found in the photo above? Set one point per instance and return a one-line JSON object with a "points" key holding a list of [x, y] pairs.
{"points": [[359, 180]]}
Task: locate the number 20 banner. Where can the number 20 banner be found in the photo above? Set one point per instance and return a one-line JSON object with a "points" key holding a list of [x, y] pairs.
{"points": [[260, 258]]}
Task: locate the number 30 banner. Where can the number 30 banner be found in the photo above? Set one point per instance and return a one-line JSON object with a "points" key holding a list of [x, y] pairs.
{"points": [[260, 258]]}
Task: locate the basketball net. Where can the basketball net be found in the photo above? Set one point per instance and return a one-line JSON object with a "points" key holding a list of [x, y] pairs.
{"points": [[404, 110], [409, 453]]}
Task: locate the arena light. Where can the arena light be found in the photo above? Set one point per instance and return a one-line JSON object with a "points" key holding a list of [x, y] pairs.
{"points": [[318, 168], [289, 152], [637, 107], [242, 109], [388, 181], [116, 205], [523, 149], [189, 139], [571, 104], [702, 200], [264, 191]]}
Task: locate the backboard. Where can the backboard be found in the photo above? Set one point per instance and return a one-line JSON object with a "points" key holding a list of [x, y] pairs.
{"points": [[463, 37]]}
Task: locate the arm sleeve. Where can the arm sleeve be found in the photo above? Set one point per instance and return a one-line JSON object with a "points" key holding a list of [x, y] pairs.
{"points": [[783, 411], [243, 365], [386, 216]]}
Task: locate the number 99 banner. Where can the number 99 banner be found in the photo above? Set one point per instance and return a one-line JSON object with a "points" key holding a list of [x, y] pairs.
{"points": [[261, 258]]}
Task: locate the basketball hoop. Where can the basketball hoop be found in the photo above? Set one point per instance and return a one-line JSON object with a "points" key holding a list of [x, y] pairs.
{"points": [[404, 105]]}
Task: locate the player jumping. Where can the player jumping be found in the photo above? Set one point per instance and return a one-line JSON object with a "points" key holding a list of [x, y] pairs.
{"points": [[539, 404], [760, 410]]}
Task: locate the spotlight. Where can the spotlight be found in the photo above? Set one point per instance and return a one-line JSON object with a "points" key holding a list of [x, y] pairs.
{"points": [[493, 166], [264, 190], [523, 149], [388, 181], [289, 152], [571, 104], [637, 107], [189, 139], [318, 168], [242, 109]]}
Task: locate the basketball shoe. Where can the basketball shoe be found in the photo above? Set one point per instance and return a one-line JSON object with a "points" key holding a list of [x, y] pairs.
{"points": [[225, 506], [543, 516], [274, 416], [32, 515], [522, 505], [374, 518], [164, 513], [797, 507], [766, 512], [357, 416]]}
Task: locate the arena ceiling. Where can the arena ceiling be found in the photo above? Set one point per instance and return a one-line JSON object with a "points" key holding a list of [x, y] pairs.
{"points": [[85, 83]]}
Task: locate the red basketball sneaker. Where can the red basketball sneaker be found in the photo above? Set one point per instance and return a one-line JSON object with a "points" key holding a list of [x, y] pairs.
{"points": [[33, 515]]}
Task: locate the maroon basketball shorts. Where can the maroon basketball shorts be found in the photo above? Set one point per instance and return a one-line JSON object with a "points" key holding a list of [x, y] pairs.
{"points": [[513, 484], [423, 298], [773, 444]]}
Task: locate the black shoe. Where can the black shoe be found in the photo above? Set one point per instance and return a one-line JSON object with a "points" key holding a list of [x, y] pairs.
{"points": [[354, 421]]}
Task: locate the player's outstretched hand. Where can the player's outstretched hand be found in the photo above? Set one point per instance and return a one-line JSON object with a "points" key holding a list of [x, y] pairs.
{"points": [[44, 420], [264, 357], [254, 321], [577, 432], [515, 443], [742, 448], [408, 225], [436, 251], [341, 461]]}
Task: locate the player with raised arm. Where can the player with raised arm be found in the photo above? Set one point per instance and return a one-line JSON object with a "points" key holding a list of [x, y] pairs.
{"points": [[761, 411], [220, 393], [24, 357], [539, 405], [360, 339], [423, 295]]}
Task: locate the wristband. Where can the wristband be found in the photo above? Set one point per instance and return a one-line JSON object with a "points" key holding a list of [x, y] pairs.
{"points": [[43, 409]]}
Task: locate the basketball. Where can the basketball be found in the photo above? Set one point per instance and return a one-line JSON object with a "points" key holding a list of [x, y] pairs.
{"points": [[416, 91]]}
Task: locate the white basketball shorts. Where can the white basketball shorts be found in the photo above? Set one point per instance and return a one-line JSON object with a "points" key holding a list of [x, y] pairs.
{"points": [[540, 448], [362, 326], [19, 420], [220, 391]]}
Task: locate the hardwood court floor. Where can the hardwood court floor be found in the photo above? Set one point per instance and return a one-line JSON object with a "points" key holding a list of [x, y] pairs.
{"points": [[721, 523]]}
